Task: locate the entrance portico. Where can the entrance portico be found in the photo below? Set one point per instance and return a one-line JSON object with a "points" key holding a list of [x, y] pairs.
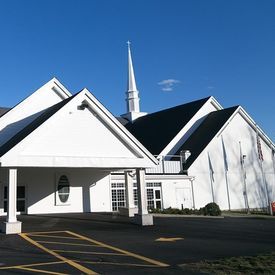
{"points": [[84, 190], [66, 155]]}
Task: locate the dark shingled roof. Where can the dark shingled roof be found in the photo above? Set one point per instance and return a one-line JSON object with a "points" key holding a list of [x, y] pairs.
{"points": [[32, 126], [122, 120], [3, 110], [201, 137], [156, 130]]}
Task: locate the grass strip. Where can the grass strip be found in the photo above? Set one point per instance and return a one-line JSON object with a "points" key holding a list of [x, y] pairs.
{"points": [[261, 264]]}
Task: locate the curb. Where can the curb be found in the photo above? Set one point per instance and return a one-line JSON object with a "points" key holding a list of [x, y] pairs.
{"points": [[251, 216], [186, 216]]}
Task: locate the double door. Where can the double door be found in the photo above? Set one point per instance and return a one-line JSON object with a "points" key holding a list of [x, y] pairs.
{"points": [[184, 198]]}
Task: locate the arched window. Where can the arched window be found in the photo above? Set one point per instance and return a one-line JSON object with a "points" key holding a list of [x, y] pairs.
{"points": [[63, 189]]}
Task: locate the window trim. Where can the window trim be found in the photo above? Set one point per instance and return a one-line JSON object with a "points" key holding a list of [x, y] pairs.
{"points": [[58, 201]]}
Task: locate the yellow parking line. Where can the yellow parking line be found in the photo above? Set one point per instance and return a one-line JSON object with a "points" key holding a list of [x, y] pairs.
{"points": [[70, 262], [77, 244], [89, 252], [28, 265], [59, 237], [48, 232], [124, 264], [41, 271], [120, 250]]}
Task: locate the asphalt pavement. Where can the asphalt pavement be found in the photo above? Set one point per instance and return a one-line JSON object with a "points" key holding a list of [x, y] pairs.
{"points": [[108, 244]]}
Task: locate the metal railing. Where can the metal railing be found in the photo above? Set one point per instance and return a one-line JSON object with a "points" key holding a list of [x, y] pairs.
{"points": [[167, 166]]}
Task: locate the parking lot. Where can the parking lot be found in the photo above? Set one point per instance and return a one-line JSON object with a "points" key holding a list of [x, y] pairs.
{"points": [[109, 244]]}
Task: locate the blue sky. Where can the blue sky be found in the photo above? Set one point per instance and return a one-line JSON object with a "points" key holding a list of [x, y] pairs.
{"points": [[224, 48]]}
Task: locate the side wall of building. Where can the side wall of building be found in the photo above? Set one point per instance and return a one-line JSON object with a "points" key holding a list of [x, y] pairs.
{"points": [[220, 175]]}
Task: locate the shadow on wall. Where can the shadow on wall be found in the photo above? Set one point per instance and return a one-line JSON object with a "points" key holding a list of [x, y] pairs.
{"points": [[241, 172], [42, 189]]}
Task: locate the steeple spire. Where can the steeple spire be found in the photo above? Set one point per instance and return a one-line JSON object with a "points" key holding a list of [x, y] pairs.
{"points": [[132, 97]]}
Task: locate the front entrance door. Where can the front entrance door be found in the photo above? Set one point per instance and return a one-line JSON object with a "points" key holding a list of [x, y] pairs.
{"points": [[21, 199], [154, 197], [184, 199]]}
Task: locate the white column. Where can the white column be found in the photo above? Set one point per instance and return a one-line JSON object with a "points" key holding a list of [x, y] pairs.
{"points": [[142, 218], [129, 189], [192, 190], [11, 226], [12, 191], [142, 196], [130, 210]]}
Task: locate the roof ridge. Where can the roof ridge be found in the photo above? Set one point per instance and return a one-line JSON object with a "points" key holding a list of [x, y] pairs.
{"points": [[157, 130], [177, 106], [228, 108]]}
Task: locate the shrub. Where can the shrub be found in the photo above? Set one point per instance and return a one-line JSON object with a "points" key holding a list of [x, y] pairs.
{"points": [[171, 210], [185, 211], [155, 210], [211, 209]]}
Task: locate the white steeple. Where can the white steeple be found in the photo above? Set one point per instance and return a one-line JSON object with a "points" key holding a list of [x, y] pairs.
{"points": [[132, 97]]}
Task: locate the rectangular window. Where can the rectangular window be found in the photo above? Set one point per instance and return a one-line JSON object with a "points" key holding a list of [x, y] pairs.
{"points": [[153, 191], [150, 198], [21, 192], [118, 196], [21, 199], [154, 198], [157, 194], [135, 196]]}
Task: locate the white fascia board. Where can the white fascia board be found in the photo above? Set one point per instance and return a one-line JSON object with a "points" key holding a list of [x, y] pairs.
{"points": [[227, 122], [215, 103], [59, 88], [240, 110], [75, 162], [200, 113], [256, 128], [112, 122]]}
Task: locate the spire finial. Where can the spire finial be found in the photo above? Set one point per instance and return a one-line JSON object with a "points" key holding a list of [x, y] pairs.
{"points": [[128, 43]]}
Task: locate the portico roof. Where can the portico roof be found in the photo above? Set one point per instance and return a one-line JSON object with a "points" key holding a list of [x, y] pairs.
{"points": [[76, 132]]}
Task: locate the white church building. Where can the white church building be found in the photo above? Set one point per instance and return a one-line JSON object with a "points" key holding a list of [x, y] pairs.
{"points": [[63, 153]]}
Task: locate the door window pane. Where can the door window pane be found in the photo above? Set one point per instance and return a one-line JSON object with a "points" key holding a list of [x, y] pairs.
{"points": [[158, 204], [157, 194]]}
